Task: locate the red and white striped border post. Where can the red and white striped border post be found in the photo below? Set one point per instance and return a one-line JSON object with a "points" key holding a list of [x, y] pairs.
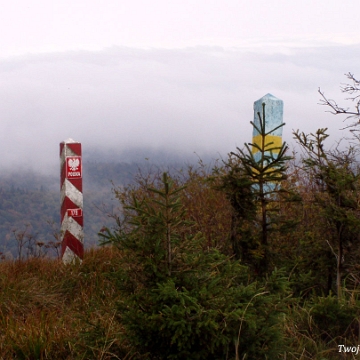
{"points": [[72, 222]]}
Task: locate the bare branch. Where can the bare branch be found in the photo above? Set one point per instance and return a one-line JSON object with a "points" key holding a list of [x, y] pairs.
{"points": [[335, 109]]}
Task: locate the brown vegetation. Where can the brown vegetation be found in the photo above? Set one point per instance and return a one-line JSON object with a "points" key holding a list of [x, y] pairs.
{"points": [[50, 311]]}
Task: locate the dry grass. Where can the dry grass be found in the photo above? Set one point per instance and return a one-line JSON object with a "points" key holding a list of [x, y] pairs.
{"points": [[52, 311]]}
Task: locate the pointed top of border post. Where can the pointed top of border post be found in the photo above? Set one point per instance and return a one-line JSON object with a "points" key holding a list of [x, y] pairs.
{"points": [[70, 147], [274, 110], [69, 141]]}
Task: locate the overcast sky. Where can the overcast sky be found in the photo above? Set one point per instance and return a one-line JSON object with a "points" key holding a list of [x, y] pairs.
{"points": [[180, 75]]}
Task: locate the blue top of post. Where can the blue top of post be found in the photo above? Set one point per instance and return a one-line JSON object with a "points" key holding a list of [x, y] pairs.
{"points": [[274, 110]]}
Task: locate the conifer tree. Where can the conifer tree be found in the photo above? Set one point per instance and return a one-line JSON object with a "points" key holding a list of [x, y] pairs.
{"points": [[179, 301], [337, 180], [253, 187]]}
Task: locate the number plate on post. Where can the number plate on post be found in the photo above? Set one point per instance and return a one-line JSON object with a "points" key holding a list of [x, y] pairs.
{"points": [[74, 212]]}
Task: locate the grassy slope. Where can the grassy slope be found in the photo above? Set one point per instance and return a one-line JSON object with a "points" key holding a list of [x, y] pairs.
{"points": [[50, 311]]}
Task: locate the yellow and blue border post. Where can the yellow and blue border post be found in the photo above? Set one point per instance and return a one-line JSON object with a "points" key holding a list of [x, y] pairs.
{"points": [[272, 109]]}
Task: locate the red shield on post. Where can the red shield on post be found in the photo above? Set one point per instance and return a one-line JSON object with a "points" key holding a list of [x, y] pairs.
{"points": [[73, 167]]}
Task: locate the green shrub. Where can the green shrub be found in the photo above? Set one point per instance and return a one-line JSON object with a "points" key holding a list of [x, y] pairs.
{"points": [[181, 302], [334, 318]]}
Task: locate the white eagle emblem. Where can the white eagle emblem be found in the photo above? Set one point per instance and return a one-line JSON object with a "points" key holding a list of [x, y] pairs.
{"points": [[73, 164]]}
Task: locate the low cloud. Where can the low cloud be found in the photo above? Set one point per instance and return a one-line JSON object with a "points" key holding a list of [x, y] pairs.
{"points": [[182, 100]]}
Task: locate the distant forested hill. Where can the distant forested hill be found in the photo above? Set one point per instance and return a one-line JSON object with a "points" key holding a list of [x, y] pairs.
{"points": [[30, 204]]}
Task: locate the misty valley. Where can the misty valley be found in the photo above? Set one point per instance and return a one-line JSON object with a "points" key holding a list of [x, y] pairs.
{"points": [[30, 207]]}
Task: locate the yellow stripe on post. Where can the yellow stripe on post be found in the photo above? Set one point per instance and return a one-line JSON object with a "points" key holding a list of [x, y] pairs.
{"points": [[275, 141]]}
